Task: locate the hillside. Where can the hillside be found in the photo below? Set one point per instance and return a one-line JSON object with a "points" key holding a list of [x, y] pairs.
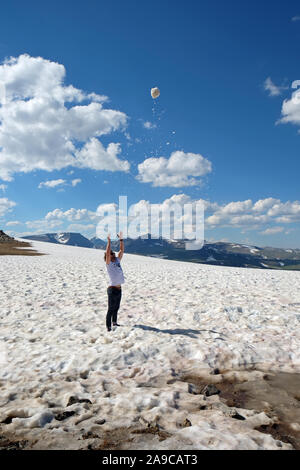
{"points": [[217, 254]]}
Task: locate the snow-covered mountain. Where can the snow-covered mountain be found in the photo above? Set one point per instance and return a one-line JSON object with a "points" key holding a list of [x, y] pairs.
{"points": [[65, 238], [217, 254]]}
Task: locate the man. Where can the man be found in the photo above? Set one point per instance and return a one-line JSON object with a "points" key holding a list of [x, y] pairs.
{"points": [[115, 272]]}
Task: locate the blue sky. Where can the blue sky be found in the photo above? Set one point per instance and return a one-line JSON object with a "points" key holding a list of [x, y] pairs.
{"points": [[225, 71]]}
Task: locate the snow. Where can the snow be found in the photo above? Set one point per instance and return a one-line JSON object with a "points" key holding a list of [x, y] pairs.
{"points": [[178, 318]]}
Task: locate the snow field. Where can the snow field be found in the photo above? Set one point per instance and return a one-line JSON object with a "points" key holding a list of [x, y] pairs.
{"points": [[178, 318]]}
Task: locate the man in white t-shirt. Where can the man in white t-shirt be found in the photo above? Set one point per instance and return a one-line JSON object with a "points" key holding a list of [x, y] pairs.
{"points": [[115, 272]]}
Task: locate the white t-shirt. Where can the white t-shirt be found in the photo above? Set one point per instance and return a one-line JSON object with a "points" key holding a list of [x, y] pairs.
{"points": [[115, 273]]}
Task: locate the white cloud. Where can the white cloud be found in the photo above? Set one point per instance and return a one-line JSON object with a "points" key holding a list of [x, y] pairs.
{"points": [[51, 183], [76, 181], [264, 211], [3, 187], [93, 155], [71, 215], [274, 90], [286, 212], [246, 215], [272, 231], [238, 207], [291, 109], [181, 169], [39, 132], [6, 206], [149, 125], [264, 204], [59, 182], [12, 223]]}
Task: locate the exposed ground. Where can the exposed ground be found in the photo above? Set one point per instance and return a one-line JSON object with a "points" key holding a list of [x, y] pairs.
{"points": [[276, 394], [17, 248]]}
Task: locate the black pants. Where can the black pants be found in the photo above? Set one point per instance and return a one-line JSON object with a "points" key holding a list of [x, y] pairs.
{"points": [[114, 299]]}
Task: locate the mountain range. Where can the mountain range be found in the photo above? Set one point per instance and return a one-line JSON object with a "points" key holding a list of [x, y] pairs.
{"points": [[218, 253]]}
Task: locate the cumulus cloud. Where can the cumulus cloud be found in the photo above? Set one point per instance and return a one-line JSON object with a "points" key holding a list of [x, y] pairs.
{"points": [[249, 214], [291, 109], [46, 125], [95, 156], [3, 187], [6, 206], [264, 204], [71, 215], [58, 183], [181, 169], [51, 183], [285, 212], [261, 215]]}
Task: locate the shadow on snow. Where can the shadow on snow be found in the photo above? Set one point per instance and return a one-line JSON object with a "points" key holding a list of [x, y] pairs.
{"points": [[178, 331]]}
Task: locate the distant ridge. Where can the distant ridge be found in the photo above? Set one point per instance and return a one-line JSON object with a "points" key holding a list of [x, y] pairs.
{"points": [[63, 238], [217, 254]]}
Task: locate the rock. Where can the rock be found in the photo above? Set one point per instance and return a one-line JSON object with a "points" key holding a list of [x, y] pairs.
{"points": [[5, 238], [210, 390], [100, 421], [90, 435], [64, 415], [194, 389], [238, 416], [73, 400], [186, 423]]}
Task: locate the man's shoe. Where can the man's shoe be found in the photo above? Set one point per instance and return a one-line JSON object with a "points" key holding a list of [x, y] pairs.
{"points": [[116, 324], [108, 329]]}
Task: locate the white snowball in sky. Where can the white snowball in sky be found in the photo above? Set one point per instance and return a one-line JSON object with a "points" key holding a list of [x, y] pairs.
{"points": [[155, 92]]}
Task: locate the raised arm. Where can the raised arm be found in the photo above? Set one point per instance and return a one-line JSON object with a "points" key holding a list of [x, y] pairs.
{"points": [[121, 252], [108, 250]]}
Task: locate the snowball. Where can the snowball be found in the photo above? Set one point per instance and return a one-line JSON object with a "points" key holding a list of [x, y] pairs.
{"points": [[155, 92]]}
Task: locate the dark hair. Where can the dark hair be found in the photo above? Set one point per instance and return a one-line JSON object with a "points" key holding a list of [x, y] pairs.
{"points": [[112, 253]]}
